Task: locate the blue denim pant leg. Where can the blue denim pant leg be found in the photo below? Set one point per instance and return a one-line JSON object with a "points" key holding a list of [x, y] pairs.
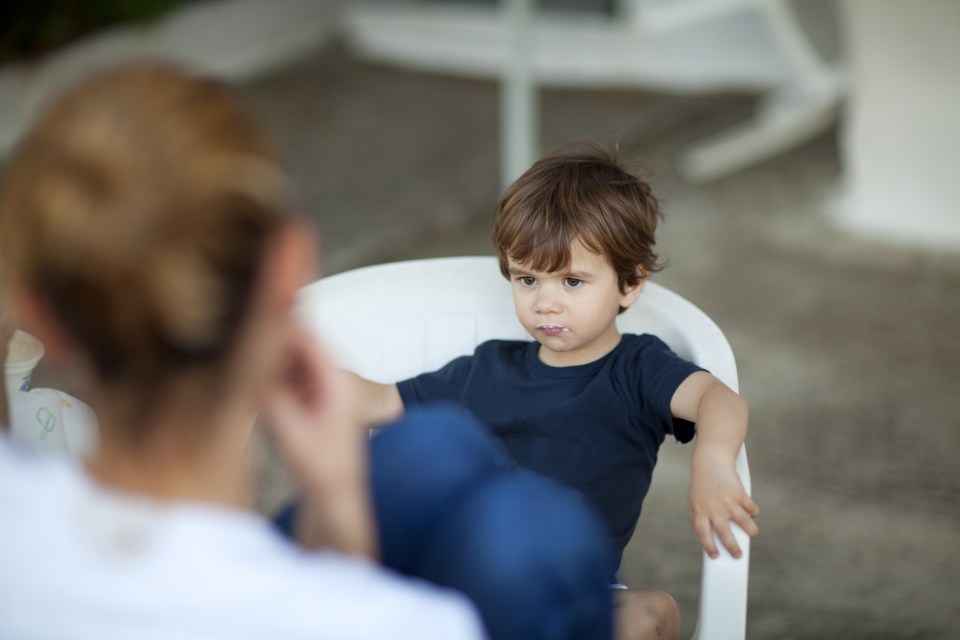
{"points": [[529, 554], [421, 466]]}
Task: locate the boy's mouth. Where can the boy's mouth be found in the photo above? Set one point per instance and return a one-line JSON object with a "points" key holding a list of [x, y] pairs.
{"points": [[552, 329]]}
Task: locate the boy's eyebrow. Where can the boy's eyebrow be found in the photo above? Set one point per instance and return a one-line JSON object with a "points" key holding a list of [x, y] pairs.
{"points": [[579, 275]]}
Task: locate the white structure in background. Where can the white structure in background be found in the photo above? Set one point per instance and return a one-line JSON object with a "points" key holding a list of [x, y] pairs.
{"points": [[901, 130], [900, 124], [901, 120], [682, 46], [519, 133], [803, 105]]}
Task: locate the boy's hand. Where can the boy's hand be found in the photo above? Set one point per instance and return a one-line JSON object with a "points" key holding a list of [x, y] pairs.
{"points": [[715, 500], [716, 496], [312, 412]]}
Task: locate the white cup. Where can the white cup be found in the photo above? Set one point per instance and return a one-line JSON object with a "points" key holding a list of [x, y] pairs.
{"points": [[23, 355], [46, 420]]}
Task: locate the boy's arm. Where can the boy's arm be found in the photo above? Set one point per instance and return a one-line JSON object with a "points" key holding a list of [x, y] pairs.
{"points": [[378, 403], [716, 497]]}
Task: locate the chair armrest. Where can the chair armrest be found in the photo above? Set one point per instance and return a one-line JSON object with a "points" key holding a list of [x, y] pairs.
{"points": [[723, 594], [723, 582]]}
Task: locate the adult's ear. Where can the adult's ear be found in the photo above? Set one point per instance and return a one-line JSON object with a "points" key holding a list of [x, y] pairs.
{"points": [[289, 264], [286, 266], [31, 313]]}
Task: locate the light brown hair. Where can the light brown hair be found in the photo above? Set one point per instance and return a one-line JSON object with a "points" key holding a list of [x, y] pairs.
{"points": [[579, 193], [138, 208]]}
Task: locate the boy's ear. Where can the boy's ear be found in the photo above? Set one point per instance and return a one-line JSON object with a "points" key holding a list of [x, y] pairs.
{"points": [[632, 292]]}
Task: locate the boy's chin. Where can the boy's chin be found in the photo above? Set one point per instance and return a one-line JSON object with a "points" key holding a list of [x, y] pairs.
{"points": [[556, 344]]}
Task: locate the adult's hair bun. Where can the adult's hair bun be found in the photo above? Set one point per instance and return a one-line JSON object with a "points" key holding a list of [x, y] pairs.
{"points": [[139, 206]]}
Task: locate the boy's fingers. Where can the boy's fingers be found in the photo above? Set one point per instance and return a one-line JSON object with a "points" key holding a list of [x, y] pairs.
{"points": [[727, 539], [752, 507], [705, 534], [746, 522]]}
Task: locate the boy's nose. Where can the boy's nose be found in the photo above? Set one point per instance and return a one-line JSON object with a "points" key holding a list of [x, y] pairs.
{"points": [[546, 302]]}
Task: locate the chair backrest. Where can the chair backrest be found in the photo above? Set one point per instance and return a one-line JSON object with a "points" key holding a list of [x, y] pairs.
{"points": [[392, 321]]}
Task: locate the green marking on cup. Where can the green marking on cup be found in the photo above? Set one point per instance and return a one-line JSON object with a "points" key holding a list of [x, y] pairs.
{"points": [[47, 421]]}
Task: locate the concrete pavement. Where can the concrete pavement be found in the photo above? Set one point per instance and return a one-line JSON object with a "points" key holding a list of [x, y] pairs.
{"points": [[849, 351]]}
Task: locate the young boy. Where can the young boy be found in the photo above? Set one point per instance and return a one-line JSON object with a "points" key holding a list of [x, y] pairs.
{"points": [[583, 404]]}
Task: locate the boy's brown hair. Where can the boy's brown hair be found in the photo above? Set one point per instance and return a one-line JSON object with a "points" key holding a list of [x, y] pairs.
{"points": [[579, 193]]}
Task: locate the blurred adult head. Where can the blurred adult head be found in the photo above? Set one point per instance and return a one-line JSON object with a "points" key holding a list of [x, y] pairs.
{"points": [[146, 229]]}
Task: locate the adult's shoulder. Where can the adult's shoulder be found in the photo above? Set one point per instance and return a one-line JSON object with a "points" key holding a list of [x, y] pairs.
{"points": [[228, 563], [335, 595], [22, 471], [390, 605]]}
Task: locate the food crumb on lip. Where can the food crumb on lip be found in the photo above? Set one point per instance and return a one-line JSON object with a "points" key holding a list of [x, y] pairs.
{"points": [[553, 328]]}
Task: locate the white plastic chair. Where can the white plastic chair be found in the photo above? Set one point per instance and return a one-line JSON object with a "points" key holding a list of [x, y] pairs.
{"points": [[392, 321]]}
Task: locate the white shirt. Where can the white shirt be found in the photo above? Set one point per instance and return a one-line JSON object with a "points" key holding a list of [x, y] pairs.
{"points": [[79, 561]]}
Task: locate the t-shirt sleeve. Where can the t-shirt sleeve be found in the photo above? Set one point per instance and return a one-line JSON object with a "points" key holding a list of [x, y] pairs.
{"points": [[660, 372], [443, 385]]}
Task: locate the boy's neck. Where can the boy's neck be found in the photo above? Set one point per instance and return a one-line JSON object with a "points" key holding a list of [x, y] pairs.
{"points": [[590, 352]]}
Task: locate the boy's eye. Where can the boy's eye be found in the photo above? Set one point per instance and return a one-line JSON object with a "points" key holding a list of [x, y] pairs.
{"points": [[527, 281], [573, 283]]}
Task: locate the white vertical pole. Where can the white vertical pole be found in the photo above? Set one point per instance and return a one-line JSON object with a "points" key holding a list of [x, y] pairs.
{"points": [[901, 127], [518, 97], [812, 74]]}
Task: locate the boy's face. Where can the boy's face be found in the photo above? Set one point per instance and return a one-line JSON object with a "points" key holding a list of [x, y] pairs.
{"points": [[571, 313]]}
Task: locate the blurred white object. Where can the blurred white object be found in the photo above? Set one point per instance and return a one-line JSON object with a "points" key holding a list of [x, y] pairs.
{"points": [[84, 561], [519, 131], [47, 420], [44, 420], [23, 354], [901, 126], [684, 46], [734, 51], [392, 321], [805, 105]]}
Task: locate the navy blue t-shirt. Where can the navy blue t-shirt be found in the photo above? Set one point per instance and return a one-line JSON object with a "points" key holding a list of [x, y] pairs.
{"points": [[595, 427]]}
